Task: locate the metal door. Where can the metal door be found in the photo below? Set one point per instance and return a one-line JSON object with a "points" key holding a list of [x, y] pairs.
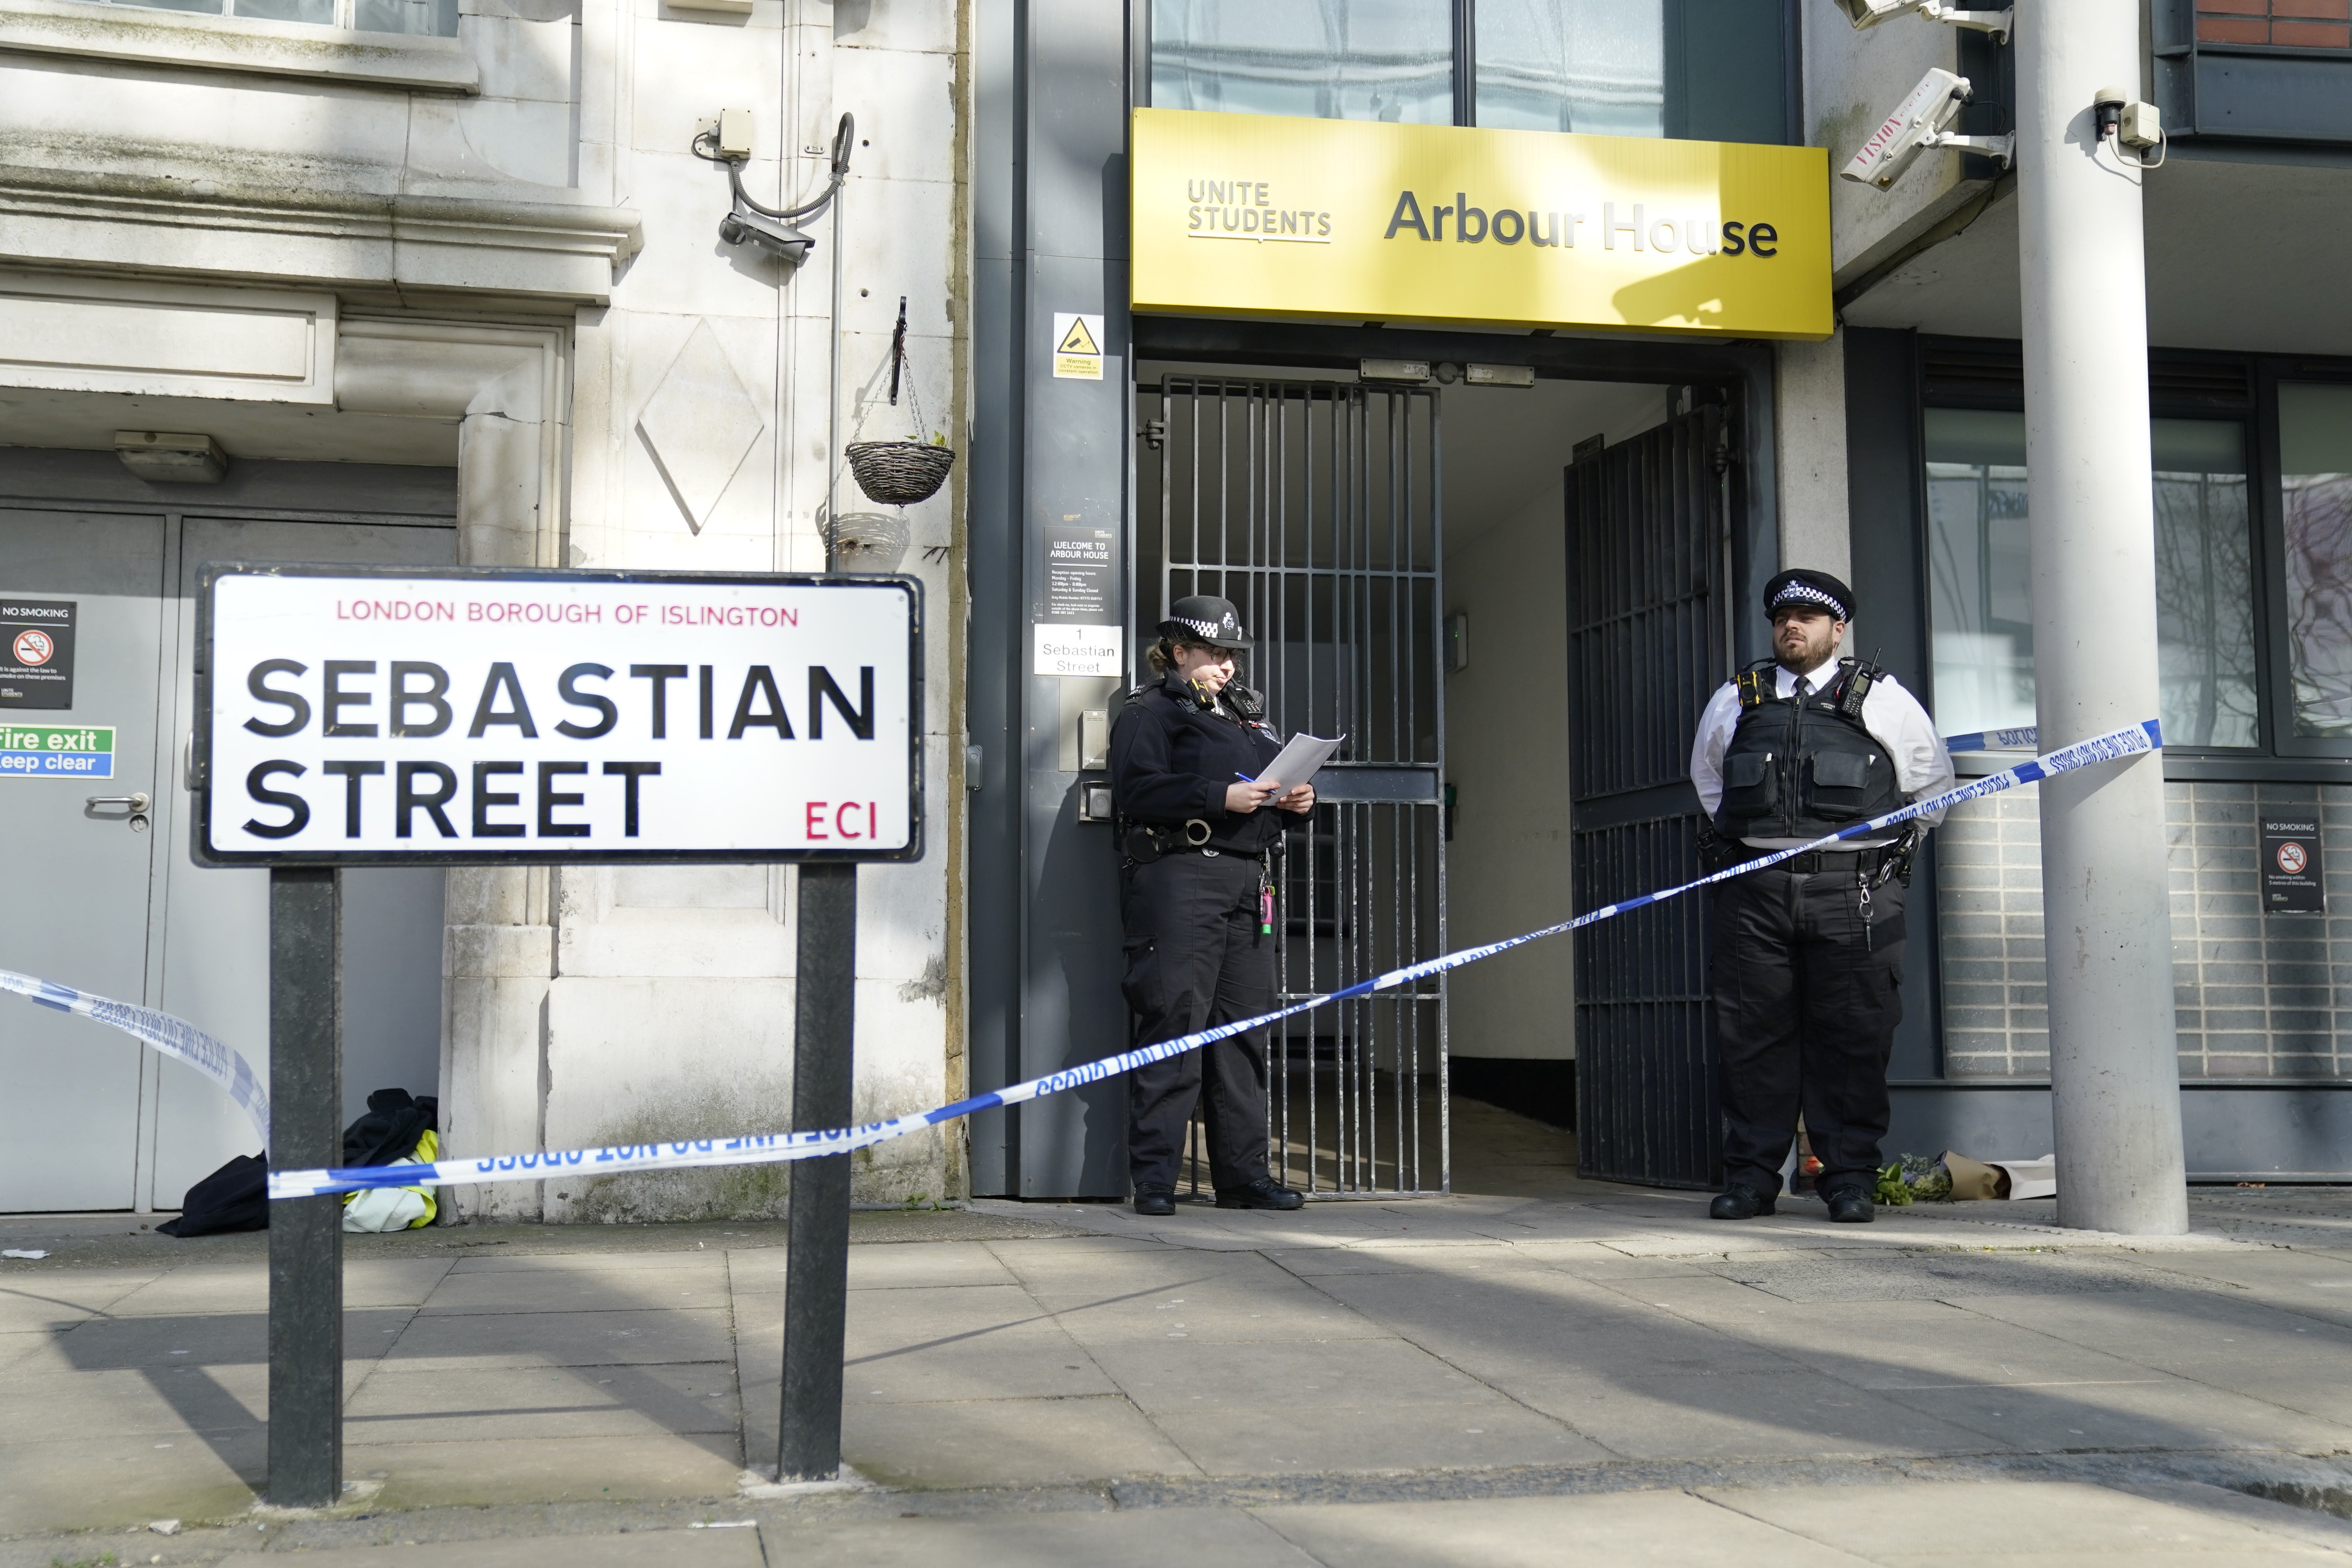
{"points": [[1649, 640], [73, 902], [213, 922], [1315, 508]]}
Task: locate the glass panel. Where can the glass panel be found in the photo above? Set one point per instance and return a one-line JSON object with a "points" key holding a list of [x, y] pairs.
{"points": [[2204, 584], [209, 7], [1597, 65], [2316, 485], [1981, 615], [434, 18], [1324, 59], [319, 12], [1980, 624]]}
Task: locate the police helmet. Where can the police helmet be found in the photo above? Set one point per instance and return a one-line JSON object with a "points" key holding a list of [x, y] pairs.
{"points": [[1205, 619]]}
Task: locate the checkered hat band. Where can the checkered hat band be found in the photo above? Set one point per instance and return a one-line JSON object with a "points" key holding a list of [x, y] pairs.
{"points": [[1805, 592]]}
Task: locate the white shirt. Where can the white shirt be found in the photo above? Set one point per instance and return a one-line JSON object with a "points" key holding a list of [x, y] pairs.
{"points": [[1922, 765]]}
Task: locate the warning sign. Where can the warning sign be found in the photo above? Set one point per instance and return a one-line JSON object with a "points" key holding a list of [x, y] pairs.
{"points": [[1078, 346], [36, 648], [2293, 881]]}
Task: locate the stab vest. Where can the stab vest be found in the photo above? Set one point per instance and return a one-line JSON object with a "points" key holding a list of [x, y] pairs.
{"points": [[1803, 769]]}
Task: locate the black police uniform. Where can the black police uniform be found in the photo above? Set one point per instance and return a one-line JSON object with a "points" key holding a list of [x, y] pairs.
{"points": [[1808, 960], [1191, 885]]}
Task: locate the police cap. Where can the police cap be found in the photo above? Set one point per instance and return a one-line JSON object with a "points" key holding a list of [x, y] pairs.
{"points": [[1205, 619], [1811, 590]]}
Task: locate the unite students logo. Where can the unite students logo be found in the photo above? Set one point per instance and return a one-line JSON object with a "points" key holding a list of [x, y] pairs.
{"points": [[1250, 209]]}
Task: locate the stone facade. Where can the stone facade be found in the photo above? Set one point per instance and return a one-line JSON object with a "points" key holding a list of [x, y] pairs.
{"points": [[2255, 994], [505, 253]]}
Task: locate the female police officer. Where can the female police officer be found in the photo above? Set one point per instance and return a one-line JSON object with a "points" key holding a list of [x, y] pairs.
{"points": [[1196, 897]]}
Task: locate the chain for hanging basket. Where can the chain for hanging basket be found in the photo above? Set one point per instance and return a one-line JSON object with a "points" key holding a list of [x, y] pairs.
{"points": [[899, 473]]}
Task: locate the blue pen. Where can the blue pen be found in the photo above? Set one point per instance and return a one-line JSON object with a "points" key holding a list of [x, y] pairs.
{"points": [[1245, 778]]}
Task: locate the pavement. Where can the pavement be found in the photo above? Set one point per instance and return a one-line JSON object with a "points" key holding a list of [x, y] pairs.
{"points": [[1531, 1368]]}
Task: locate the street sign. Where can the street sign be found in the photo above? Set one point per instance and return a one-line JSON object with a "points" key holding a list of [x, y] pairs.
{"points": [[369, 716]]}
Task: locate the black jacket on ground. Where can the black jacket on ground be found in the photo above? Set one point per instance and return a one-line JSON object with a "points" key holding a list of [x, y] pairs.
{"points": [[1172, 758]]}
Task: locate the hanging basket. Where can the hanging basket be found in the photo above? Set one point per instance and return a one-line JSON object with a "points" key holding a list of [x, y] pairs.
{"points": [[898, 473]]}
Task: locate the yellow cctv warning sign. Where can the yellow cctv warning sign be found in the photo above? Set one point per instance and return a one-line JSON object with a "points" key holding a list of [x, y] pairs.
{"points": [[1078, 346]]}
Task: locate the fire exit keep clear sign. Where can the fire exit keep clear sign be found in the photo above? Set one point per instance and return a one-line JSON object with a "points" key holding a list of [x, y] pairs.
{"points": [[486, 716]]}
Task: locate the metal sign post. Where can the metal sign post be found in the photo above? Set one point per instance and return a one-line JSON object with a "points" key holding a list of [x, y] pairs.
{"points": [[306, 1235], [488, 717], [816, 1256]]}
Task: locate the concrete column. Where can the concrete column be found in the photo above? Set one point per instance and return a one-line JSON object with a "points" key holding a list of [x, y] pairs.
{"points": [[2112, 1063]]}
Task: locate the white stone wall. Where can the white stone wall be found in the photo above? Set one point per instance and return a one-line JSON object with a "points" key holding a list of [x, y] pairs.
{"points": [[527, 283]]}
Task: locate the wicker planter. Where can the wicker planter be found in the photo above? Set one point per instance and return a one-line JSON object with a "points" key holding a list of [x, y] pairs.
{"points": [[898, 473]]}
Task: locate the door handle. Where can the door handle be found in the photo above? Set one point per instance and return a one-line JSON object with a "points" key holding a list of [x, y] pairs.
{"points": [[136, 803]]}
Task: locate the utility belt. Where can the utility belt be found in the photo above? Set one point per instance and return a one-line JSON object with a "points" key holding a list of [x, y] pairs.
{"points": [[1874, 867], [1145, 842]]}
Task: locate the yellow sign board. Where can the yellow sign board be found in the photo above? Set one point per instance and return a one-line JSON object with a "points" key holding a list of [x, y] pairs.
{"points": [[1249, 214]]}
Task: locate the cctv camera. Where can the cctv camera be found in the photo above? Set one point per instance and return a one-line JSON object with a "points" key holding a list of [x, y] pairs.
{"points": [[1895, 145], [1870, 13], [775, 237]]}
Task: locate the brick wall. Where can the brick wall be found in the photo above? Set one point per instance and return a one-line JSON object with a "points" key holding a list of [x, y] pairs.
{"points": [[2295, 24], [2258, 995]]}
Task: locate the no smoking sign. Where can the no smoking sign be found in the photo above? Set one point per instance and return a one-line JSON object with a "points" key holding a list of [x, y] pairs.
{"points": [[2292, 880]]}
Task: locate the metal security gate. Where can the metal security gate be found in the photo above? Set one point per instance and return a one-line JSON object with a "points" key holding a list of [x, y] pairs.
{"points": [[1649, 640], [1315, 508]]}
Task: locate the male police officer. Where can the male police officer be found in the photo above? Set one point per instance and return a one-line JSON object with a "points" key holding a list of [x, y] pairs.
{"points": [[1196, 898], [1808, 962]]}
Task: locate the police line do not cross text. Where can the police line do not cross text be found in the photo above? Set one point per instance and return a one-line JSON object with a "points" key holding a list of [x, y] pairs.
{"points": [[355, 715]]}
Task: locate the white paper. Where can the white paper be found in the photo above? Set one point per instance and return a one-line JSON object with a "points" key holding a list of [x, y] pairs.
{"points": [[1299, 762]]}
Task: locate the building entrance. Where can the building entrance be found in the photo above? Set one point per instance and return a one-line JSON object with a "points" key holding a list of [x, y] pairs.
{"points": [[1427, 572], [106, 898]]}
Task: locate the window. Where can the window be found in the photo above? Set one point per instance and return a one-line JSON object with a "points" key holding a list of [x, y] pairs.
{"points": [[1709, 70], [429, 18], [1325, 59], [1980, 576], [1596, 66], [2316, 508]]}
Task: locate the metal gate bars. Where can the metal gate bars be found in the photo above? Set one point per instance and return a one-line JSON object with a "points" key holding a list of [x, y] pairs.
{"points": [[1649, 640], [1314, 506]]}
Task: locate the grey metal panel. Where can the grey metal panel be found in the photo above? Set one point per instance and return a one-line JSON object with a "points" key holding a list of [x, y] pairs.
{"points": [[2236, 1132], [1888, 503], [2277, 97], [252, 489], [992, 562], [1050, 233]]}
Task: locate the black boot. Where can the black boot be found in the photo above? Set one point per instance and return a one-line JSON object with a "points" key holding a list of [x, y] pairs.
{"points": [[1266, 1193], [1850, 1206], [1154, 1201], [1739, 1202]]}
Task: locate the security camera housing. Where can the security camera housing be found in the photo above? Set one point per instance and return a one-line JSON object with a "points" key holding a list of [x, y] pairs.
{"points": [[1870, 13], [777, 239], [1897, 144]]}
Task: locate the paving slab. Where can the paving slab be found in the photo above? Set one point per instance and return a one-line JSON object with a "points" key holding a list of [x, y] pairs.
{"points": [[2010, 1521], [67, 1483], [636, 1287], [1001, 1443], [1173, 1538], [1744, 1416], [460, 1343], [396, 1404], [638, 1549], [1374, 1438], [552, 1469], [1627, 1530]]}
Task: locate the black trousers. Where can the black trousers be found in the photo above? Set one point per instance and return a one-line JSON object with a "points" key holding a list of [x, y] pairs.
{"points": [[1808, 977], [1195, 957]]}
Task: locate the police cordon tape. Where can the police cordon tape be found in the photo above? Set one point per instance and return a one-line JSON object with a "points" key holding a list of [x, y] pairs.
{"points": [[183, 1041], [175, 1038], [768, 1148]]}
